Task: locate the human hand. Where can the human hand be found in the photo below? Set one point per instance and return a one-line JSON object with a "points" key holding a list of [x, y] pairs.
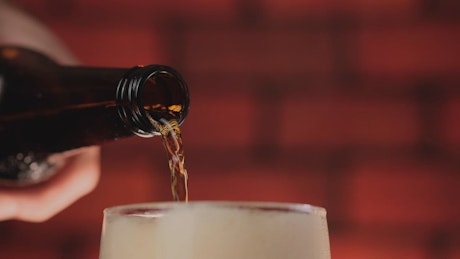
{"points": [[81, 173], [78, 177]]}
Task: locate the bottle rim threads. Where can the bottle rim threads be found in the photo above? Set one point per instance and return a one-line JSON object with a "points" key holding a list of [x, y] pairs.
{"points": [[129, 96]]}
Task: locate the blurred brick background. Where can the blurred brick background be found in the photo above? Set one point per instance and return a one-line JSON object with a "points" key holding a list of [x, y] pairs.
{"points": [[350, 105]]}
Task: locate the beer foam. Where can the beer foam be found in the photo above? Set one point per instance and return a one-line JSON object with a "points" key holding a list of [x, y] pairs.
{"points": [[203, 230]]}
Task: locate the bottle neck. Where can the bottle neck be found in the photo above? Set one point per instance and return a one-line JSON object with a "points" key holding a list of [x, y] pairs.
{"points": [[33, 85], [144, 95], [148, 95]]}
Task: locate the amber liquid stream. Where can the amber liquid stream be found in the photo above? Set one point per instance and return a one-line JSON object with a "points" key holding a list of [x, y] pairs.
{"points": [[172, 141]]}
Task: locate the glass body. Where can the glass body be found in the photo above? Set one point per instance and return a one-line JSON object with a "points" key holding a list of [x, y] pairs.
{"points": [[210, 230]]}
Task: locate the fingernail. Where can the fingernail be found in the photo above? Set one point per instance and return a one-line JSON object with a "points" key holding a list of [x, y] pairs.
{"points": [[7, 208]]}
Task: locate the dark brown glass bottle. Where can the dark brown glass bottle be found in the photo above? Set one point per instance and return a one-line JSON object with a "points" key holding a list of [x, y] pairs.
{"points": [[46, 108]]}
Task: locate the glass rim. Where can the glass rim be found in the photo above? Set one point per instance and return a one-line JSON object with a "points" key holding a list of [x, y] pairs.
{"points": [[152, 208]]}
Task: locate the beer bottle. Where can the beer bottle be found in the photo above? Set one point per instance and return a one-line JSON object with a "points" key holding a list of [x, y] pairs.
{"points": [[46, 109]]}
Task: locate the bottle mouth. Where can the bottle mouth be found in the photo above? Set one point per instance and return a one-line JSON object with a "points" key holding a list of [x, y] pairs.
{"points": [[149, 95]]}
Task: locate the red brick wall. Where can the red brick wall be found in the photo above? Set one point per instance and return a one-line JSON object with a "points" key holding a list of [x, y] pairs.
{"points": [[350, 105]]}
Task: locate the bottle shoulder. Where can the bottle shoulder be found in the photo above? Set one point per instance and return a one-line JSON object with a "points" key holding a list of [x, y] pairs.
{"points": [[23, 57]]}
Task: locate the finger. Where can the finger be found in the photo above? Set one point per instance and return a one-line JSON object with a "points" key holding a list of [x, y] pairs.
{"points": [[39, 203], [18, 28]]}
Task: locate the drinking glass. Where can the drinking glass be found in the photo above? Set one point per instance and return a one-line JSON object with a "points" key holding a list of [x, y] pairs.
{"points": [[215, 230]]}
